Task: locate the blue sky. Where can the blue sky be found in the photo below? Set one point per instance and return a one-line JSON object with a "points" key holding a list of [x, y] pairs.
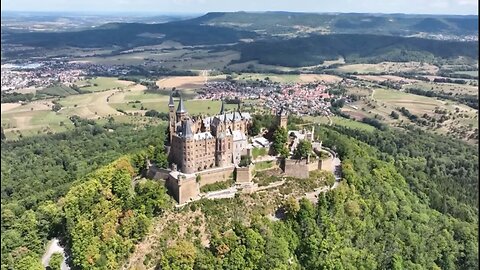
{"points": [[203, 6]]}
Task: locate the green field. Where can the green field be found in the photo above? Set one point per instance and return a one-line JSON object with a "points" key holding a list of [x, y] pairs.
{"points": [[444, 87], [337, 120], [283, 78], [101, 84], [469, 72], [58, 90]]}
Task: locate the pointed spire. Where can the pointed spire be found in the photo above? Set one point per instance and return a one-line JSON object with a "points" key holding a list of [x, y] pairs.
{"points": [[171, 103], [181, 108], [222, 109], [187, 129]]}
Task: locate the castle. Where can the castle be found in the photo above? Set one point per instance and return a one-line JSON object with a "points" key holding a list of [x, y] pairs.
{"points": [[206, 150], [201, 143]]}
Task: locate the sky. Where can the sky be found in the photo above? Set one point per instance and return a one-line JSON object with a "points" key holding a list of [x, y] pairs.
{"points": [[460, 7]]}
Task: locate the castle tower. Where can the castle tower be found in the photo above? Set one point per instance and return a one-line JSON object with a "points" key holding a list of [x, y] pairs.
{"points": [[171, 114], [282, 118], [188, 152], [181, 112]]}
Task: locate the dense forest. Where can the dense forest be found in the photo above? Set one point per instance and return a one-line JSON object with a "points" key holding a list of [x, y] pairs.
{"points": [[374, 220], [408, 201], [315, 49], [37, 171]]}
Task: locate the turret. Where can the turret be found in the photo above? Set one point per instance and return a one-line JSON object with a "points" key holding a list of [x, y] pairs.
{"points": [[188, 163], [282, 118], [171, 114], [181, 112]]}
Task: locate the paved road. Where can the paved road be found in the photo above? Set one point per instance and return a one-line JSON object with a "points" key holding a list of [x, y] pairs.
{"points": [[54, 247]]}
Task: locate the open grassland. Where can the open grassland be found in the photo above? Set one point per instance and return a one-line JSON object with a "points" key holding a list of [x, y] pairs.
{"points": [[187, 82], [58, 90], [460, 121], [337, 120], [289, 78], [127, 104], [389, 67], [469, 72], [102, 83], [445, 87], [382, 78]]}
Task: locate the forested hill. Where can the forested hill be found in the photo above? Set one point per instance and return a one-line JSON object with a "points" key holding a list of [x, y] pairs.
{"points": [[375, 219], [315, 49], [384, 24], [128, 35]]}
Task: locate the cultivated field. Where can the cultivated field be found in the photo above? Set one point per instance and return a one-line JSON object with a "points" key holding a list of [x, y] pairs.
{"points": [[445, 87], [461, 121], [290, 78], [382, 78], [102, 83], [389, 67]]}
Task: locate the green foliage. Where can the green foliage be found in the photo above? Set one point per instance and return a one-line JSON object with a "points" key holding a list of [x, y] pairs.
{"points": [[154, 113], [217, 186], [263, 165], [394, 115], [55, 261], [245, 160], [260, 121], [280, 138], [104, 217], [258, 152], [50, 164], [180, 256], [316, 49], [374, 220], [303, 150]]}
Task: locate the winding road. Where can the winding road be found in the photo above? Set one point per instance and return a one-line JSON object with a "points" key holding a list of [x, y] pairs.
{"points": [[54, 247]]}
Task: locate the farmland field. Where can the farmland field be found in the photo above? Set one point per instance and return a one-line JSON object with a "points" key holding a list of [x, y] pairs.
{"points": [[445, 87], [102, 83], [289, 78], [389, 67], [337, 120], [470, 72]]}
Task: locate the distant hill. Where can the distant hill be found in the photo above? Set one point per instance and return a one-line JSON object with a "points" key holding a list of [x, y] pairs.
{"points": [[386, 24], [353, 47], [128, 35]]}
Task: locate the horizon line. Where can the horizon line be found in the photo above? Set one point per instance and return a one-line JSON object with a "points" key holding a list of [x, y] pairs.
{"points": [[238, 11]]}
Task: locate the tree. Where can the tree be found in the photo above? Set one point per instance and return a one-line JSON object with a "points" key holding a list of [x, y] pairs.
{"points": [[245, 160], [280, 138], [55, 262], [303, 150], [180, 256], [291, 207], [29, 263], [160, 157], [394, 115]]}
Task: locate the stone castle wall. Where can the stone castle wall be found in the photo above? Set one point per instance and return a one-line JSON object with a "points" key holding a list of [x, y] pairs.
{"points": [[243, 174], [188, 188], [327, 164], [295, 168], [215, 175]]}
